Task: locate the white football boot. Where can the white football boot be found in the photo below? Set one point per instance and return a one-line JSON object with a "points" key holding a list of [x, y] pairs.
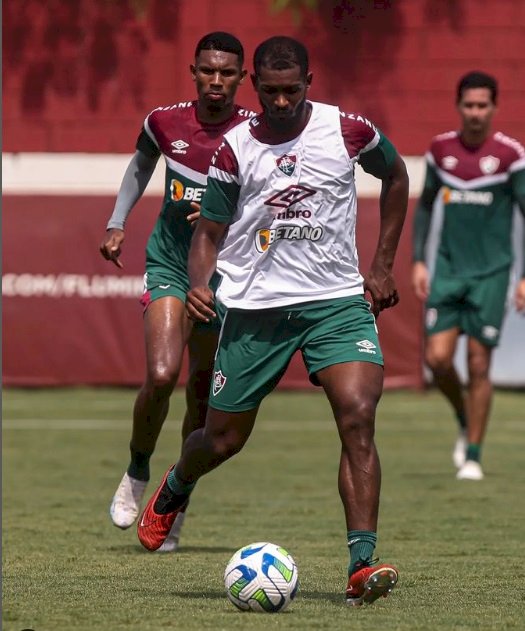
{"points": [[460, 450], [125, 506], [471, 470], [171, 542]]}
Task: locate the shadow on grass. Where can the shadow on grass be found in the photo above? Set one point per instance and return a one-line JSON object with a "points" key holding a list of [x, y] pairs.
{"points": [[336, 599], [132, 548]]}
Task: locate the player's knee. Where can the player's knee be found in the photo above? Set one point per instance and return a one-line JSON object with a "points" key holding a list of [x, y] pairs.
{"points": [[478, 368], [226, 444], [358, 417], [438, 360], [162, 380]]}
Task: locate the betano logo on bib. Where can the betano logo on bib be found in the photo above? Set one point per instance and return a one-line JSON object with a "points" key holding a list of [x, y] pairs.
{"points": [[266, 236]]}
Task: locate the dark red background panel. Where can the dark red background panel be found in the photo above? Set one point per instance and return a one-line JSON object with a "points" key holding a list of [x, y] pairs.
{"points": [[70, 317]]}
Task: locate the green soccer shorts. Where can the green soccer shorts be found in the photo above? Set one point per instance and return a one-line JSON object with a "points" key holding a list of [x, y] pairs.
{"points": [[255, 347], [474, 305], [156, 287]]}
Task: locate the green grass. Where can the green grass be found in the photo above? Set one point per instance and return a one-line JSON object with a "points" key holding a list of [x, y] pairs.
{"points": [[458, 545]]}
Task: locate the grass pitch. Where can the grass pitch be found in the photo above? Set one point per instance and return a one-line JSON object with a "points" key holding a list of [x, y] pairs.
{"points": [[458, 545]]}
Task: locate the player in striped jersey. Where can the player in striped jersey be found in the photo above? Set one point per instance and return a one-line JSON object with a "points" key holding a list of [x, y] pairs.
{"points": [[186, 135], [278, 222], [480, 175]]}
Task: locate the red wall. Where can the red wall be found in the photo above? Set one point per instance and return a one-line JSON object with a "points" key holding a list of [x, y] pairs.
{"points": [[80, 75], [64, 325]]}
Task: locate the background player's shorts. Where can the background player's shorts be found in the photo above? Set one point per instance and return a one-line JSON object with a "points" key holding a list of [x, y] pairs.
{"points": [[255, 347], [475, 305], [159, 287]]}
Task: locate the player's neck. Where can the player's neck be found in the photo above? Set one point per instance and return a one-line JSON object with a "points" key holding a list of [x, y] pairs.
{"points": [[276, 134], [474, 138], [209, 116]]}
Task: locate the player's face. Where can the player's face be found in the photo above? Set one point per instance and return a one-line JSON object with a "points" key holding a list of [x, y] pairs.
{"points": [[282, 94], [217, 76], [476, 110]]}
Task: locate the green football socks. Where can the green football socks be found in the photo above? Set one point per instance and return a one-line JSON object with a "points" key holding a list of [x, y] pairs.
{"points": [[473, 452], [178, 486], [361, 544]]}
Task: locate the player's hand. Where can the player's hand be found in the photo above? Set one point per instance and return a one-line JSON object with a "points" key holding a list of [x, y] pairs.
{"points": [[192, 217], [199, 304], [110, 247], [381, 286], [519, 297], [420, 280]]}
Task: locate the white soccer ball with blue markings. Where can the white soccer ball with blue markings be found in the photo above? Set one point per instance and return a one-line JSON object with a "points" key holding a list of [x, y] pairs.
{"points": [[261, 577]]}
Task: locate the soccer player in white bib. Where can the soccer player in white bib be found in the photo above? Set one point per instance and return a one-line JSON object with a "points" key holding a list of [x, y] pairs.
{"points": [[278, 223]]}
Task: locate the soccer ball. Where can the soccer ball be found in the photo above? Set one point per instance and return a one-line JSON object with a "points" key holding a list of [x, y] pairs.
{"points": [[261, 577]]}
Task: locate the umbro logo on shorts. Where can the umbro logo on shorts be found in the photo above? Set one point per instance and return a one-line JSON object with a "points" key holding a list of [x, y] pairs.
{"points": [[366, 346]]}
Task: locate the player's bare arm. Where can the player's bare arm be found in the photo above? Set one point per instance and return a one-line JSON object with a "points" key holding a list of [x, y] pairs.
{"points": [[379, 281], [202, 260]]}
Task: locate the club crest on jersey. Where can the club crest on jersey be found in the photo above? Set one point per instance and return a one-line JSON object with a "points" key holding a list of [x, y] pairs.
{"points": [[449, 162], [218, 382], [489, 165], [287, 164]]}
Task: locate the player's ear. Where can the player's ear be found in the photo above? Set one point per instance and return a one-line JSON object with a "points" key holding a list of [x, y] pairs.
{"points": [[253, 77], [193, 71], [243, 75], [309, 78]]}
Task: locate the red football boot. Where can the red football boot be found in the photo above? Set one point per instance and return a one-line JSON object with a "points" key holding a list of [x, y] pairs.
{"points": [[153, 527], [369, 583]]}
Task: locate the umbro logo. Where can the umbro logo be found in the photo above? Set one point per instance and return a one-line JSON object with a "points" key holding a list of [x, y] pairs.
{"points": [[179, 146], [366, 346]]}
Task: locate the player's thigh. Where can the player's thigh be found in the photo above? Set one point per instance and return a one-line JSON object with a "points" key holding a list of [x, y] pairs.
{"points": [[341, 332], [353, 389], [253, 353], [202, 347], [487, 300], [167, 329], [440, 346]]}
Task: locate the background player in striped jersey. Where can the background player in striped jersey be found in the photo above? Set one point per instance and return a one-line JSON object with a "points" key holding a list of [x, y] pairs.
{"points": [[278, 221], [186, 135], [480, 174]]}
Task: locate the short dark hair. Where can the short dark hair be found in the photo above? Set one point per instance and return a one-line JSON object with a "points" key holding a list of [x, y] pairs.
{"points": [[279, 53], [219, 40], [477, 79]]}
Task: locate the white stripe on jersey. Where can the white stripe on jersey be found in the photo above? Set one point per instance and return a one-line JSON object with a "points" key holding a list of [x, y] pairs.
{"points": [[518, 165], [222, 176], [191, 174], [482, 181]]}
